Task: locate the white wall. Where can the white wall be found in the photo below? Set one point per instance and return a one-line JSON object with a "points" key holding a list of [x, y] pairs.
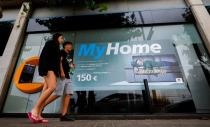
{"points": [[9, 14]]}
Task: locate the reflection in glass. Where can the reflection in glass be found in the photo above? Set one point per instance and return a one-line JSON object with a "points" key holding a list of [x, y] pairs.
{"points": [[27, 74], [191, 62]]}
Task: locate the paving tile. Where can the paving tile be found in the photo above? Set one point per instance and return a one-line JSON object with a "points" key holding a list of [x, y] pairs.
{"points": [[54, 122]]}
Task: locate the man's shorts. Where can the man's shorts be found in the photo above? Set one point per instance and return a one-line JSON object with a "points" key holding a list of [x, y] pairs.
{"points": [[63, 87]]}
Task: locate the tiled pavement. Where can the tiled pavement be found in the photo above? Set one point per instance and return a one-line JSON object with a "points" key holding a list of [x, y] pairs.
{"points": [[23, 122]]}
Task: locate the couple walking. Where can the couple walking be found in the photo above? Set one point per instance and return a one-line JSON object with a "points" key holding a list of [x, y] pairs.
{"points": [[54, 67]]}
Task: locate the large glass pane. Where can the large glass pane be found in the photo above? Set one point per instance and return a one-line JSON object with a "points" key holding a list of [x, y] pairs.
{"points": [[5, 30], [172, 58]]}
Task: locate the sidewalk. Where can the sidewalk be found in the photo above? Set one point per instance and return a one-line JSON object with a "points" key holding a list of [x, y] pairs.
{"points": [[54, 122]]}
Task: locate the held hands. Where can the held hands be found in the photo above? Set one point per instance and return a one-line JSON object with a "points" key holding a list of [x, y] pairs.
{"points": [[72, 65]]}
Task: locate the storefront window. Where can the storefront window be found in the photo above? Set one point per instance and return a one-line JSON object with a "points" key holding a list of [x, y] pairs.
{"points": [[208, 8], [207, 4], [5, 30], [171, 57]]}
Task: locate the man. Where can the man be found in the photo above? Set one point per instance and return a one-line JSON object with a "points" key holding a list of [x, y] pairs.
{"points": [[64, 83]]}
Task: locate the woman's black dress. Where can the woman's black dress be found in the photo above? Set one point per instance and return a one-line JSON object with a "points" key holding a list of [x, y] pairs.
{"points": [[50, 59]]}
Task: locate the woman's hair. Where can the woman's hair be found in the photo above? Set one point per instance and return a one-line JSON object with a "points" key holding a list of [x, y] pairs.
{"points": [[67, 43], [56, 36]]}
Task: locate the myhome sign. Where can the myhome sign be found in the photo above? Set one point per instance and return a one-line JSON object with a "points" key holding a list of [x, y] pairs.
{"points": [[98, 50], [111, 65]]}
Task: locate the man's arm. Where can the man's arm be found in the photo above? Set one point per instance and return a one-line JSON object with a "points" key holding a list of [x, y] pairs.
{"points": [[62, 70]]}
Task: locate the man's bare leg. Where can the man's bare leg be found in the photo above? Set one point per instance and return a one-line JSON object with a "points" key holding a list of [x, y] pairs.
{"points": [[66, 101]]}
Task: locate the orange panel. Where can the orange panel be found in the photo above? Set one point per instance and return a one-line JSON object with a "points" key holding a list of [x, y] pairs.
{"points": [[27, 87]]}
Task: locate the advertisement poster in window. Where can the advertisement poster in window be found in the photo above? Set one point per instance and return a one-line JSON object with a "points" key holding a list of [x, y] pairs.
{"points": [[124, 65]]}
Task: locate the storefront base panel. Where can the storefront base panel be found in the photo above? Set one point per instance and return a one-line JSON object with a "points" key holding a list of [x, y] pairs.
{"points": [[118, 116]]}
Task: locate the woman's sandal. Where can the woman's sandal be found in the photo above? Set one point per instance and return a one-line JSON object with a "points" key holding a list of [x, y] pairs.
{"points": [[32, 119], [42, 120]]}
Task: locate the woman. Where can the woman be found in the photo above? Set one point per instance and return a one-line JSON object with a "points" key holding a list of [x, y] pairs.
{"points": [[49, 68]]}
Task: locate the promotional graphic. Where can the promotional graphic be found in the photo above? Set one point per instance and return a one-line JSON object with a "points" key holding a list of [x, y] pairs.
{"points": [[124, 65]]}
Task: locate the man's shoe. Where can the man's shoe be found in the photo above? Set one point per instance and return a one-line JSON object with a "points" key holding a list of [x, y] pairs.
{"points": [[66, 118]]}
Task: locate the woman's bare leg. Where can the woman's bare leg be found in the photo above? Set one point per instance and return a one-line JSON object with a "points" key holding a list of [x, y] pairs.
{"points": [[50, 80], [44, 88], [48, 101]]}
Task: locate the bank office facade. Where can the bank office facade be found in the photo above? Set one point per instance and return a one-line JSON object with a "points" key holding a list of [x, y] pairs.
{"points": [[114, 53]]}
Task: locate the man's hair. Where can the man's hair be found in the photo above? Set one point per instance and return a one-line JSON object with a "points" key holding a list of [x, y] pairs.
{"points": [[67, 43]]}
